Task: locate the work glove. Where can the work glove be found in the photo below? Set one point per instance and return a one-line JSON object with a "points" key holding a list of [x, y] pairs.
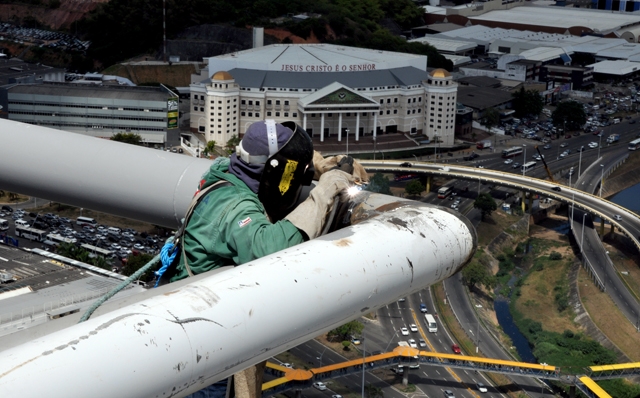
{"points": [[322, 165], [310, 215]]}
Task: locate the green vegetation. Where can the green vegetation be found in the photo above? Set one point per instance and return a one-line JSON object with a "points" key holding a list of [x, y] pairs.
{"points": [[344, 332], [379, 183], [478, 271], [134, 263], [232, 144], [569, 114], [527, 102], [485, 203], [128, 138], [414, 188], [361, 23], [74, 252]]}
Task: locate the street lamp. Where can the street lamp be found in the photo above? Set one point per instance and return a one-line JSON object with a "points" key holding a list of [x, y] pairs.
{"points": [[374, 148], [347, 131], [599, 144], [524, 158], [415, 157], [580, 162], [320, 357], [601, 178], [582, 239], [364, 352]]}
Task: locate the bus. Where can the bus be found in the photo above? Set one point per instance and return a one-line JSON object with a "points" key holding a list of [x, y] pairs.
{"points": [[86, 221], [95, 251], [4, 224], [432, 326], [444, 192], [635, 144], [61, 239], [527, 166], [511, 152], [37, 235]]}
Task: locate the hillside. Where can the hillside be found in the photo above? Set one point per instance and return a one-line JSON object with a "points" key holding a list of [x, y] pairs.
{"points": [[59, 18]]}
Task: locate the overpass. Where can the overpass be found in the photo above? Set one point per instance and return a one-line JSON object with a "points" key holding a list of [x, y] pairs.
{"points": [[629, 225]]}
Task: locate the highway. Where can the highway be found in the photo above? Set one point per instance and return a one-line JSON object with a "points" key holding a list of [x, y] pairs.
{"points": [[469, 179]]}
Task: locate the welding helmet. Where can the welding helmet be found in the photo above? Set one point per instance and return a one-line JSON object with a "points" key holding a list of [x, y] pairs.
{"points": [[286, 151]]}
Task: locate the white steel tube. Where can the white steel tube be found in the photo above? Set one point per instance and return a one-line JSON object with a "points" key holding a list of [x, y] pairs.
{"points": [[203, 329], [127, 180]]}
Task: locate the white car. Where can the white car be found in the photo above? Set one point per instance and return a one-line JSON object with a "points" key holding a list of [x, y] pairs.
{"points": [[593, 145], [412, 343], [423, 343], [508, 161], [320, 385], [481, 387], [413, 328], [404, 331], [617, 217]]}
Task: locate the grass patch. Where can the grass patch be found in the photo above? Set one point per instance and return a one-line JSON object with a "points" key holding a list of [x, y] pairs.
{"points": [[608, 318], [493, 225]]}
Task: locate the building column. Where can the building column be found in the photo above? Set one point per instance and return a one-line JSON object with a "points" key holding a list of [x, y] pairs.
{"points": [[357, 126], [304, 122], [339, 126], [405, 375], [322, 127], [375, 124], [428, 183]]}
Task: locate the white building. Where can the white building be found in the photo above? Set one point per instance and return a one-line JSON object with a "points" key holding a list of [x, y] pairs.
{"points": [[328, 90]]}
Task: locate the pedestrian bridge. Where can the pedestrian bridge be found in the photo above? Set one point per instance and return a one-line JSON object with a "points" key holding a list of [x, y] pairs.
{"points": [[409, 358]]}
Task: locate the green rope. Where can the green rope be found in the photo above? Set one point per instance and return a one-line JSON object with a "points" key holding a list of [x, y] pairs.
{"points": [[118, 288]]}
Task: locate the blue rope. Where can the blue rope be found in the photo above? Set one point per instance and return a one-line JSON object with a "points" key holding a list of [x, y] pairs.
{"points": [[135, 276], [167, 255]]}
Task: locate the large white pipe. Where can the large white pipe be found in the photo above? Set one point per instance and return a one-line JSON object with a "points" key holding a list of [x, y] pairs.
{"points": [[203, 329], [116, 178]]}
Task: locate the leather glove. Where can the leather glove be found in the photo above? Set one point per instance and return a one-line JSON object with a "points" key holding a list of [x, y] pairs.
{"points": [[322, 165], [310, 215]]}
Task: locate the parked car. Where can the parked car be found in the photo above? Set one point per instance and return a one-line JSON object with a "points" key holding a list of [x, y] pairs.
{"points": [[7, 208]]}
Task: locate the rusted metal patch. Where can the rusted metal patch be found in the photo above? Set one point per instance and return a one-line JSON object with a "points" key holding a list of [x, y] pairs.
{"points": [[342, 242]]}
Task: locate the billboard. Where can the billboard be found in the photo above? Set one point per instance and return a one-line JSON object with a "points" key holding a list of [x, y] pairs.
{"points": [[172, 113]]}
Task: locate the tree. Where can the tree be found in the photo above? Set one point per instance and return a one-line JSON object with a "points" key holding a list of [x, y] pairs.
{"points": [[477, 274], [414, 187], [490, 119], [379, 184], [134, 263], [232, 144], [485, 203], [127, 138], [527, 102], [344, 332], [210, 148], [569, 115]]}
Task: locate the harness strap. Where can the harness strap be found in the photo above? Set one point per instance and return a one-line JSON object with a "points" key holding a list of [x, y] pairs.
{"points": [[194, 202]]}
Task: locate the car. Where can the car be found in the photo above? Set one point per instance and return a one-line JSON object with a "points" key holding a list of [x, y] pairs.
{"points": [[423, 307], [7, 208], [413, 328], [402, 299], [355, 341], [397, 370], [404, 331], [455, 206], [564, 155], [576, 133], [508, 161], [412, 343], [633, 121], [138, 246], [318, 385], [548, 146], [516, 165], [115, 246], [617, 217], [405, 164], [557, 189], [422, 343], [563, 145], [567, 136], [89, 229], [456, 349], [593, 145], [448, 394], [336, 396], [174, 150], [287, 365], [581, 149], [481, 387], [471, 156]]}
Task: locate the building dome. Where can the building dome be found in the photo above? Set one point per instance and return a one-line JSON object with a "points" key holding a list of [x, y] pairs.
{"points": [[440, 73], [222, 75]]}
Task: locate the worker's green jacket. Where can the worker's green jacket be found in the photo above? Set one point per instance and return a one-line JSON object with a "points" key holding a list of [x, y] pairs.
{"points": [[229, 227]]}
